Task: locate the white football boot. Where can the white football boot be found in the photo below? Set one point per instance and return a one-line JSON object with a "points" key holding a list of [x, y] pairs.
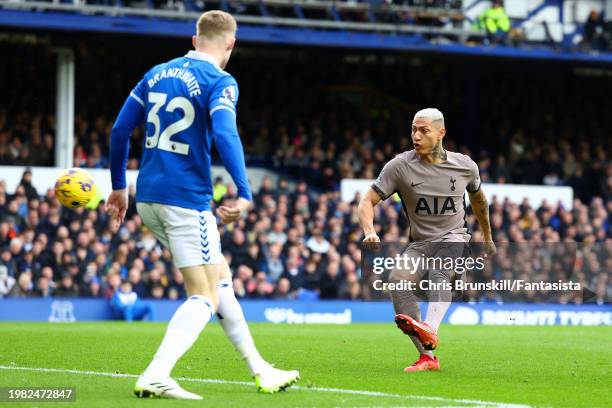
{"points": [[274, 380], [162, 388]]}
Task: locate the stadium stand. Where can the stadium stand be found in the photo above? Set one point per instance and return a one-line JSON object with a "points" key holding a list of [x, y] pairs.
{"points": [[413, 23], [295, 244], [536, 123], [440, 17], [324, 133]]}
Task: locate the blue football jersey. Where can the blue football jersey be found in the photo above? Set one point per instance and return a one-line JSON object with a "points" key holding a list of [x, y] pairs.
{"points": [[179, 98]]}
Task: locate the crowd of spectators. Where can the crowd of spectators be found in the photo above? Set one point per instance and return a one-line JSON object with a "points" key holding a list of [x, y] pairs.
{"points": [[294, 244], [27, 117], [352, 119]]}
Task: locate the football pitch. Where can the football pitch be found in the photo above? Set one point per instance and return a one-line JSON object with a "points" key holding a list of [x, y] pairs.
{"points": [[348, 365]]}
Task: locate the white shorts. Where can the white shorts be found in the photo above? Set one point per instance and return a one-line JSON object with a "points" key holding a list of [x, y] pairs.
{"points": [[191, 235]]}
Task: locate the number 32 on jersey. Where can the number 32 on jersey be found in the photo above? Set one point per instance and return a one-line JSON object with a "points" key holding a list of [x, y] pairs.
{"points": [[164, 140]]}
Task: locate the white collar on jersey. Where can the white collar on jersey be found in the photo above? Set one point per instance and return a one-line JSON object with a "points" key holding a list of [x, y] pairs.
{"points": [[202, 56]]}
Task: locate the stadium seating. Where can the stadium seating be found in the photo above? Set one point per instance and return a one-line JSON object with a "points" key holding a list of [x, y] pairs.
{"points": [[548, 130], [320, 134], [295, 245]]}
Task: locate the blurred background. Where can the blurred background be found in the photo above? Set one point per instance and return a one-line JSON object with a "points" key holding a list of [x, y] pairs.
{"points": [[327, 95]]}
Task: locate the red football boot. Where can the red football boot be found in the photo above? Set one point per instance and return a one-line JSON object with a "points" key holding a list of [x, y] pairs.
{"points": [[424, 363], [422, 330]]}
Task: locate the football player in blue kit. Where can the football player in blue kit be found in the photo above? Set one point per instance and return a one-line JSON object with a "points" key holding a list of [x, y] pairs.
{"points": [[189, 105]]}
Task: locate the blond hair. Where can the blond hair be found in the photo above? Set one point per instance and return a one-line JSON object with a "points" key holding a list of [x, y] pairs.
{"points": [[432, 114], [214, 24]]}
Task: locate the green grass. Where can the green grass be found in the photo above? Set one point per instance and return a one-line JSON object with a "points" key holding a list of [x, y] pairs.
{"points": [[540, 366]]}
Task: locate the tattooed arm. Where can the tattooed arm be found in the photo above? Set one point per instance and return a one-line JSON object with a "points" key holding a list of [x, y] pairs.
{"points": [[366, 217], [480, 206]]}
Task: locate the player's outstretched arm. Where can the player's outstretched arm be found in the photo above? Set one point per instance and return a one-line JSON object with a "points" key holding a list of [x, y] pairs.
{"points": [[366, 217], [130, 116], [480, 206]]}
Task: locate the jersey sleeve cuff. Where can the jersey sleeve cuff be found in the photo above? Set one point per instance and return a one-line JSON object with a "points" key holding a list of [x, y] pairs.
{"points": [[246, 195], [474, 191], [380, 193], [221, 107]]}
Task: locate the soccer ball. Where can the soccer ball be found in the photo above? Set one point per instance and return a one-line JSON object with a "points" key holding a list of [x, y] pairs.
{"points": [[74, 188]]}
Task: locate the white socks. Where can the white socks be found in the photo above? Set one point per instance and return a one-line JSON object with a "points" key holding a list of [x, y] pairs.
{"points": [[417, 343], [232, 320], [183, 330], [435, 313], [189, 320]]}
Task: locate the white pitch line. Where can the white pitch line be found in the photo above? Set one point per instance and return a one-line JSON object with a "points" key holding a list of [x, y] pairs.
{"points": [[476, 403]]}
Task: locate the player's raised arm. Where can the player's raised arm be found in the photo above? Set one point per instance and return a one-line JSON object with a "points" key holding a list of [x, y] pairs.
{"points": [[480, 206], [130, 116], [226, 138]]}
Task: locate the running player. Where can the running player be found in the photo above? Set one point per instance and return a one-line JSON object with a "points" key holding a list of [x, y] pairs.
{"points": [[431, 183], [189, 104]]}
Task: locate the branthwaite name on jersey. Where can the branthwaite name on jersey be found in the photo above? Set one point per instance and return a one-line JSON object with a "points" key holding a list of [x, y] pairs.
{"points": [[179, 73], [506, 285]]}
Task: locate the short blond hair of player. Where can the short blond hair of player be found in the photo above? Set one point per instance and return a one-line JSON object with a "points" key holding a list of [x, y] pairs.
{"points": [[216, 35]]}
